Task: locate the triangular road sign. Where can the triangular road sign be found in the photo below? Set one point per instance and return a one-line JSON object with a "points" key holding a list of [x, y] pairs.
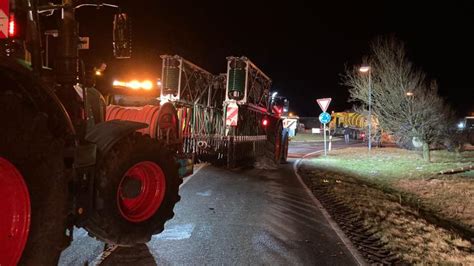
{"points": [[324, 103]]}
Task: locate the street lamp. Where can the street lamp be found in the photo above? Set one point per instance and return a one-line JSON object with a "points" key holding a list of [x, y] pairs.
{"points": [[410, 95], [366, 69]]}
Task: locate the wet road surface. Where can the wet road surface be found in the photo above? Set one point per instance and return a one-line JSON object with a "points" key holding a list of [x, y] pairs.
{"points": [[225, 217], [299, 149]]}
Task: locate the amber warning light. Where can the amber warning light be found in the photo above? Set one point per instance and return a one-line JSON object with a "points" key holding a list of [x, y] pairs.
{"points": [[134, 84]]}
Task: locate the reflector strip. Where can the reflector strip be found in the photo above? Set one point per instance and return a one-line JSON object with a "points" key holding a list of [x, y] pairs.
{"points": [[232, 115]]}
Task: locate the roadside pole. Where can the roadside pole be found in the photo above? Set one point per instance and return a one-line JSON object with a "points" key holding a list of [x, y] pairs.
{"points": [[325, 150], [330, 141], [324, 117]]}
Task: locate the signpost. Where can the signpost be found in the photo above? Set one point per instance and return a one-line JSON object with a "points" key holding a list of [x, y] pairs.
{"points": [[324, 117], [324, 103]]}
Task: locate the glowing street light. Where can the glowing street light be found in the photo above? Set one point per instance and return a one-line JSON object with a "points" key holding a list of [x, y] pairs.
{"points": [[409, 93], [366, 69]]}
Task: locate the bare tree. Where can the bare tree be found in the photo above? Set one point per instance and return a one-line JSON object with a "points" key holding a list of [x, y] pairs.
{"points": [[405, 103]]}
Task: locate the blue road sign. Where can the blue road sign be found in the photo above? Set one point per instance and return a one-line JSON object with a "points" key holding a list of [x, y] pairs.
{"points": [[324, 117]]}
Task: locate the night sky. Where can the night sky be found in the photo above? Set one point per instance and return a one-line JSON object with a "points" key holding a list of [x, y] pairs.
{"points": [[302, 45]]}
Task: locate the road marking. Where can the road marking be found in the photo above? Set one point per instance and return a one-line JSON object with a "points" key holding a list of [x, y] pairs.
{"points": [[186, 180], [205, 193], [354, 252], [176, 232]]}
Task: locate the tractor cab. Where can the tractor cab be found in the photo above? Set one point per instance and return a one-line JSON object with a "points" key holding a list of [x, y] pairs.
{"points": [[279, 105]]}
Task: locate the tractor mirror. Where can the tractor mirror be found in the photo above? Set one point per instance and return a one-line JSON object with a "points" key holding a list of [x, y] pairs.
{"points": [[122, 40]]}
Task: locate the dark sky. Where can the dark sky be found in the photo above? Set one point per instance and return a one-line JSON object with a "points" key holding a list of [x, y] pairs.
{"points": [[302, 45]]}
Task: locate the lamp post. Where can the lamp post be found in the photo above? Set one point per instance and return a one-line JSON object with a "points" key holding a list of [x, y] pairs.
{"points": [[366, 69], [410, 95]]}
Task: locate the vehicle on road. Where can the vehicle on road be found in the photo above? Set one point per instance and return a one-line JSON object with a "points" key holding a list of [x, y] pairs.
{"points": [[466, 128], [225, 119], [348, 121], [65, 160]]}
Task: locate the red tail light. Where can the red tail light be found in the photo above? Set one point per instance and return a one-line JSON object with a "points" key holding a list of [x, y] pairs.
{"points": [[277, 110], [12, 26], [265, 122]]}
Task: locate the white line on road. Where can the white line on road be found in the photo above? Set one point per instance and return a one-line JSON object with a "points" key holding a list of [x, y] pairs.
{"points": [[186, 180], [354, 252]]}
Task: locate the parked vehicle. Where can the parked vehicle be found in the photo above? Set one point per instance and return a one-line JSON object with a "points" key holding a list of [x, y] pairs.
{"points": [[67, 158]]}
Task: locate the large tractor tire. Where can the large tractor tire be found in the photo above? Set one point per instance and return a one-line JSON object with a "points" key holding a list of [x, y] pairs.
{"points": [[284, 149], [274, 143], [33, 188], [273, 147], [136, 189]]}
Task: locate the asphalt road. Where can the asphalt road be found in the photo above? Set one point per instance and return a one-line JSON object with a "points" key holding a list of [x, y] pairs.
{"points": [[228, 217], [299, 149]]}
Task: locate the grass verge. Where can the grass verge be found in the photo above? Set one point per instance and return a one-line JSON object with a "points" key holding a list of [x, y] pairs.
{"points": [[423, 217]]}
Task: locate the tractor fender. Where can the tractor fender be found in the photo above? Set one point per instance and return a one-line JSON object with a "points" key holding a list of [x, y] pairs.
{"points": [[107, 133], [102, 137]]}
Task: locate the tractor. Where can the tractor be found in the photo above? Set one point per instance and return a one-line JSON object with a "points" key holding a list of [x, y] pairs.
{"points": [[62, 164]]}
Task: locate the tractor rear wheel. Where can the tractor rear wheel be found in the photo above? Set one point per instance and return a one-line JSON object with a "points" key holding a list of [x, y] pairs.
{"points": [[274, 143], [273, 147], [284, 149], [136, 189], [33, 188]]}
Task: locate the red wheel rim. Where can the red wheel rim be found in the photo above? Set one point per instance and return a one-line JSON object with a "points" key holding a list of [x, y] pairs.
{"points": [[151, 195], [15, 213]]}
